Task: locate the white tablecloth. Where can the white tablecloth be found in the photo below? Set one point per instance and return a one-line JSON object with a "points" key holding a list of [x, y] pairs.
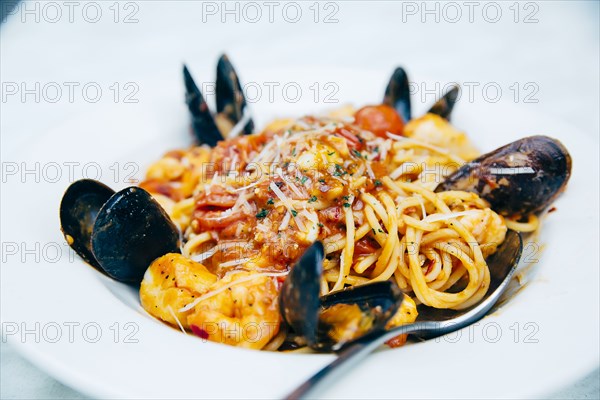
{"points": [[551, 46]]}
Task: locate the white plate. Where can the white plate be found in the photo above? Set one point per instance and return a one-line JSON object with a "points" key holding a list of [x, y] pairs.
{"points": [[543, 339]]}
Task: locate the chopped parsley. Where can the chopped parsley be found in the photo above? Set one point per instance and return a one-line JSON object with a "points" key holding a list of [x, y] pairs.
{"points": [[294, 212], [378, 182], [356, 153], [320, 225], [312, 199], [303, 180], [339, 171], [330, 154], [270, 202], [263, 213], [347, 205]]}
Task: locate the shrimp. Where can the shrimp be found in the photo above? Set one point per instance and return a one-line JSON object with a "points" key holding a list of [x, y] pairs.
{"points": [[488, 228], [244, 311], [241, 309], [435, 130], [170, 283]]}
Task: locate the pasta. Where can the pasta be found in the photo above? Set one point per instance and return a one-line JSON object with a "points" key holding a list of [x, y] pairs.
{"points": [[314, 232], [249, 207]]}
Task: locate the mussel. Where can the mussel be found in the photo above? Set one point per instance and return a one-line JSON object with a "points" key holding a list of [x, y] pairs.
{"points": [[203, 124], [444, 106], [330, 322], [518, 179], [351, 313], [232, 117], [78, 210], [397, 95], [231, 102], [118, 233]]}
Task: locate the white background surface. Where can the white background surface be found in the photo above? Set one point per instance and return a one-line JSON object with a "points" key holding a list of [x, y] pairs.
{"points": [[558, 54]]}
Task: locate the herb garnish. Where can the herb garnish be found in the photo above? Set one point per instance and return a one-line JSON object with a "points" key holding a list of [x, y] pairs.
{"points": [[262, 213]]}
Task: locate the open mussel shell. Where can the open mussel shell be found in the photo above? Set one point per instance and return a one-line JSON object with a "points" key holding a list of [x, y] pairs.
{"points": [[359, 310], [327, 323], [79, 208], [130, 232], [118, 233], [385, 294], [397, 94], [444, 106], [299, 296], [232, 110], [230, 96], [520, 178], [203, 124]]}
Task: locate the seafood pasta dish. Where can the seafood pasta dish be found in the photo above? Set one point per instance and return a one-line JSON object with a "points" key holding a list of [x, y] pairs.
{"points": [[273, 194], [373, 201]]}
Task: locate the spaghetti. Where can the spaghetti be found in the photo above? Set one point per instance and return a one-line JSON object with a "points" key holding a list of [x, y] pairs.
{"points": [[249, 207]]}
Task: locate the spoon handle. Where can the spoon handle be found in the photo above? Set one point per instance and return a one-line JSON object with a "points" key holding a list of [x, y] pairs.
{"points": [[347, 358]]}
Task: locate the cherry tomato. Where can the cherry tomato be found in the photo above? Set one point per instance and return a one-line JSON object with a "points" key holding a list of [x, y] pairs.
{"points": [[379, 120]]}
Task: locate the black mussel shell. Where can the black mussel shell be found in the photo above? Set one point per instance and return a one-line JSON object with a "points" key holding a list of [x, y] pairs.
{"points": [[203, 124], [78, 210], [230, 96], [444, 106], [385, 294], [397, 94], [130, 232], [316, 321], [375, 303], [520, 178], [299, 297]]}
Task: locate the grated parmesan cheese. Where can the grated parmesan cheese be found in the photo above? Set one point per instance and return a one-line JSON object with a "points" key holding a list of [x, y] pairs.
{"points": [[239, 127], [176, 319], [288, 204], [285, 222], [233, 263], [225, 287]]}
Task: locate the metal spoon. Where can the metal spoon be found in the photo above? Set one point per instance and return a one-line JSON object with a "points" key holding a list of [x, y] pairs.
{"points": [[431, 323]]}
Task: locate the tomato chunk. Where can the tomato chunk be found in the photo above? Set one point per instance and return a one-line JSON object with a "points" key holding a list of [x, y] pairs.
{"points": [[379, 120]]}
